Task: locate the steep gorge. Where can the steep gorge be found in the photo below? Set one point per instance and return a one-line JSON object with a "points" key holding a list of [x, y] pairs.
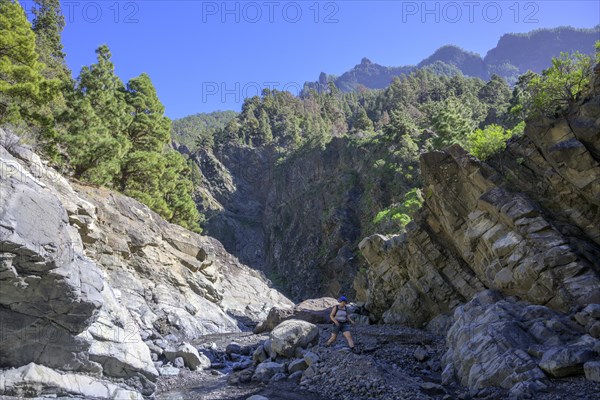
{"points": [[298, 219]]}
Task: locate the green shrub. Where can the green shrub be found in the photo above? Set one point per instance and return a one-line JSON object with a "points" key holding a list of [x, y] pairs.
{"points": [[484, 142], [560, 86]]}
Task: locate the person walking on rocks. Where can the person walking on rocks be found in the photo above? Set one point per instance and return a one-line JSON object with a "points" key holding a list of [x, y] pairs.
{"points": [[341, 320]]}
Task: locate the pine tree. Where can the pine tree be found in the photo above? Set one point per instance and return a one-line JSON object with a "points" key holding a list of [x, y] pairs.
{"points": [[94, 153], [97, 119], [105, 91], [264, 128], [177, 192], [48, 24], [451, 124], [150, 129], [362, 121], [142, 177], [22, 86]]}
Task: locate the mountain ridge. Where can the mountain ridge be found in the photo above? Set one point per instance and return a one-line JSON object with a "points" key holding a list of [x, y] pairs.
{"points": [[534, 53]]}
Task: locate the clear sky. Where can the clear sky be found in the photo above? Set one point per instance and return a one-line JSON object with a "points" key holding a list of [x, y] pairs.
{"points": [[206, 55]]}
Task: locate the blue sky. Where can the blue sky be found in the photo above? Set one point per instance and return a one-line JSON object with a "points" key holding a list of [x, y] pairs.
{"points": [[206, 55]]}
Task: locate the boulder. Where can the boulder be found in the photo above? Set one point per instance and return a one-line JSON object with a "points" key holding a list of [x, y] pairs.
{"points": [[310, 358], [295, 376], [561, 361], [259, 354], [243, 376], [38, 380], [297, 365], [277, 377], [494, 342], [265, 371], [592, 370], [233, 348], [291, 334], [193, 360], [315, 311], [178, 362]]}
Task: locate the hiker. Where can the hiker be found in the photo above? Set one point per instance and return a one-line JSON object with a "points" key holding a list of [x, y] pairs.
{"points": [[341, 319]]}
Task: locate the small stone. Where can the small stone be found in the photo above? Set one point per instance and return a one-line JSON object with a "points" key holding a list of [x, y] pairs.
{"points": [[432, 388], [559, 362], [421, 354], [171, 338], [178, 362], [592, 370], [595, 330], [257, 397], [266, 370], [278, 377], [168, 371], [259, 355], [233, 348], [311, 358], [295, 376], [297, 365]]}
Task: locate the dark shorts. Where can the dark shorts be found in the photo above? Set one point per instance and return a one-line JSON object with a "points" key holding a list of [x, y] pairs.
{"points": [[342, 327]]}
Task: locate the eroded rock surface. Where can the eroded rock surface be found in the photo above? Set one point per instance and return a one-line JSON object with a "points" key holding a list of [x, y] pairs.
{"points": [[92, 280], [523, 225]]}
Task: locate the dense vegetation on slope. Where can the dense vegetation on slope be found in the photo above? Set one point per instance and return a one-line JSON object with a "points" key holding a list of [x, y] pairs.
{"points": [[418, 112], [200, 129], [99, 129]]}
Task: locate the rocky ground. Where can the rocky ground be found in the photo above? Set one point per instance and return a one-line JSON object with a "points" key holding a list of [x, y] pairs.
{"points": [[393, 362]]}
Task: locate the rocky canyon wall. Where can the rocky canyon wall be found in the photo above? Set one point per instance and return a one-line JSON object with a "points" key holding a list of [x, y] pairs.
{"points": [[89, 279]]}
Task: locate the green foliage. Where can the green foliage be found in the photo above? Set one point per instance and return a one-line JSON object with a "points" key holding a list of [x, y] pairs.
{"points": [[451, 123], [94, 152], [48, 24], [23, 88], [492, 139], [118, 136], [397, 216], [361, 121], [96, 121], [201, 130], [560, 86], [177, 192], [150, 129]]}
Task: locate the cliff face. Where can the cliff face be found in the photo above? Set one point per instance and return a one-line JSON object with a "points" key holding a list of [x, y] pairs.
{"points": [[90, 278], [298, 219], [507, 253]]}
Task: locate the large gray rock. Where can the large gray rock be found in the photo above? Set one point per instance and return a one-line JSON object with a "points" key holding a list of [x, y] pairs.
{"points": [[559, 362], [50, 291], [498, 341], [592, 370], [259, 354], [291, 334], [266, 370], [37, 380], [193, 360], [315, 311], [299, 364]]}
